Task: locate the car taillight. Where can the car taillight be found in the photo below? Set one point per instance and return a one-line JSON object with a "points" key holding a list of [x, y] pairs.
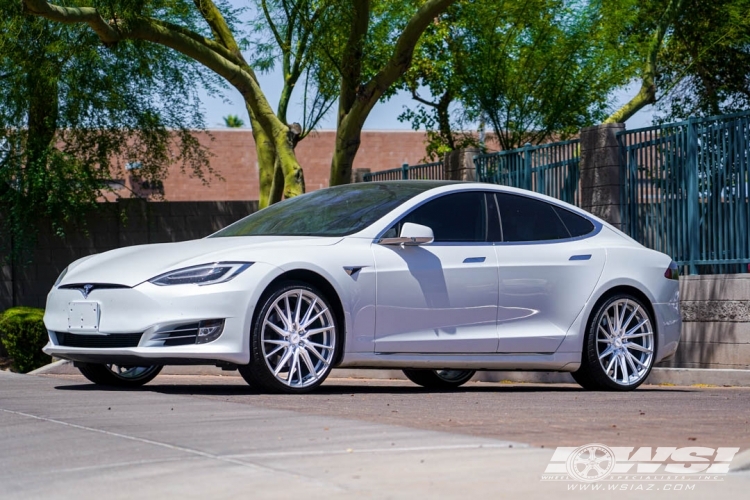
{"points": [[672, 272]]}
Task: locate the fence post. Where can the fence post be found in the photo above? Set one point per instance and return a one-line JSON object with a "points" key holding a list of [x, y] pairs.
{"points": [[601, 181], [405, 171], [692, 195], [527, 166]]}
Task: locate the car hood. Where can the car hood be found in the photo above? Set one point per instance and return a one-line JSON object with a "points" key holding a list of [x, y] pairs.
{"points": [[133, 265]]}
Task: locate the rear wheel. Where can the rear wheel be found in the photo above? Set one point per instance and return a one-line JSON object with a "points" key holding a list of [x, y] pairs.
{"points": [[620, 346], [294, 340], [119, 376], [439, 379]]}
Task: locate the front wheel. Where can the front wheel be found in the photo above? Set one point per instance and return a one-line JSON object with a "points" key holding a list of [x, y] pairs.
{"points": [[620, 346], [119, 376], [294, 340], [439, 379]]}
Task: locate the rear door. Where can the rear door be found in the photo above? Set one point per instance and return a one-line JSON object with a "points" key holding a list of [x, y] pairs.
{"points": [[548, 267]]}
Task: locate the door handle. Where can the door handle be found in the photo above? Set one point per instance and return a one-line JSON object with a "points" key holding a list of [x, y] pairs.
{"points": [[474, 260], [581, 257]]}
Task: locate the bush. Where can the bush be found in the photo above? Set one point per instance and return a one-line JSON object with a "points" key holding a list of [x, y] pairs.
{"points": [[23, 335]]}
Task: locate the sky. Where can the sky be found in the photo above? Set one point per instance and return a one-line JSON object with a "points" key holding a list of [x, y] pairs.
{"points": [[384, 115]]}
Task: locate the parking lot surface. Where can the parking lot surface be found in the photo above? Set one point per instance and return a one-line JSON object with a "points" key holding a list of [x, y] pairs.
{"points": [[198, 437]]}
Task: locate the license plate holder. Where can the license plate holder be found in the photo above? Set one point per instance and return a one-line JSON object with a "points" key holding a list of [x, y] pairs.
{"points": [[83, 317]]}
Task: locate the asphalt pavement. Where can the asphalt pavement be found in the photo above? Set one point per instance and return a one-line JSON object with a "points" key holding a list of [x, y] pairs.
{"points": [[199, 437]]}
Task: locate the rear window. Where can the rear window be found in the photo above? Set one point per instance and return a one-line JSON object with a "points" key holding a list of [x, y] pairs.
{"points": [[577, 225]]}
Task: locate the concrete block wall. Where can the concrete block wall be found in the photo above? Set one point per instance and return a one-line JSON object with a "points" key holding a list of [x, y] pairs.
{"points": [[716, 322], [124, 223]]}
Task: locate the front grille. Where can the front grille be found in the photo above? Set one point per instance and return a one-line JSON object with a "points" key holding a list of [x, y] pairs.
{"points": [[179, 335], [98, 341]]}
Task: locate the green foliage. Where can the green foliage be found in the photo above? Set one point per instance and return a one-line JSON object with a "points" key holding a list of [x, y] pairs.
{"points": [[74, 112], [23, 335], [533, 70], [233, 121], [705, 66]]}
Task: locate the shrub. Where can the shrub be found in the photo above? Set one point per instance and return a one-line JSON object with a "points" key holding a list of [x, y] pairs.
{"points": [[23, 335]]}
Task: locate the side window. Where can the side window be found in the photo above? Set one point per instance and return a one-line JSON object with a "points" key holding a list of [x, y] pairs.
{"points": [[454, 217], [577, 225], [527, 219]]}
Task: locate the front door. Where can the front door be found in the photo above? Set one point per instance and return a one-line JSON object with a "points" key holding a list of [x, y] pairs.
{"points": [[441, 297]]}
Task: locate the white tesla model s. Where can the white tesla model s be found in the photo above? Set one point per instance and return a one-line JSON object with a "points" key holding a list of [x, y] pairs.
{"points": [[437, 279]]}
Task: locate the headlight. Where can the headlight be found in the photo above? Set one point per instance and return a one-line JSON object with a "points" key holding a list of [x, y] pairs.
{"points": [[60, 278], [206, 274]]}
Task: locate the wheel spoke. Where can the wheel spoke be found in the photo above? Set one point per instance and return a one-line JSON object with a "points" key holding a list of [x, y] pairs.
{"points": [[632, 315], [322, 346], [628, 357], [298, 308], [623, 368], [288, 311], [282, 317], [282, 362], [275, 351], [277, 329], [636, 327], [317, 354], [309, 311], [637, 347], [315, 318], [605, 332], [316, 331], [621, 318], [275, 341], [309, 363], [633, 358], [637, 335], [292, 367], [611, 366], [607, 352]]}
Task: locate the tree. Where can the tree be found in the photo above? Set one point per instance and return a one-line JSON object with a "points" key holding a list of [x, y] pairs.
{"points": [[658, 21], [72, 113], [532, 70], [205, 32], [374, 52], [705, 67], [233, 121]]}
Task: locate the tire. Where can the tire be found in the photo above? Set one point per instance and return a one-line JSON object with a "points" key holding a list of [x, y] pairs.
{"points": [[292, 351], [619, 349], [119, 376], [439, 379]]}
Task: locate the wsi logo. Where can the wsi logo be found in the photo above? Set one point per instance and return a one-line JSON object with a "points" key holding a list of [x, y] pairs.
{"points": [[597, 462]]}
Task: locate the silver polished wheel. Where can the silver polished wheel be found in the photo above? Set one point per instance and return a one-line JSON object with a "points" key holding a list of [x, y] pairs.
{"points": [[625, 342], [298, 338], [454, 375]]}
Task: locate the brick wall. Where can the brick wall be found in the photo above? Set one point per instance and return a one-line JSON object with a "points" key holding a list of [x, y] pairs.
{"points": [[115, 225], [233, 157]]}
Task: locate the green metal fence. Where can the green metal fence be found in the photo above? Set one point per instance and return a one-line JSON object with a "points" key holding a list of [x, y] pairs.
{"points": [[426, 171], [550, 169], [685, 191]]}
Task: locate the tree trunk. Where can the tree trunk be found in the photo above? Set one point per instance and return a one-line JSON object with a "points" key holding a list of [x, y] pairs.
{"points": [[266, 154], [277, 186], [348, 140]]}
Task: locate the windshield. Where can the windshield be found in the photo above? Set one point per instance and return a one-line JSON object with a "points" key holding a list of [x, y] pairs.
{"points": [[336, 211]]}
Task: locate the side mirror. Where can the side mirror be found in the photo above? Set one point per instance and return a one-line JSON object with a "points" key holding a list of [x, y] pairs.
{"points": [[411, 234]]}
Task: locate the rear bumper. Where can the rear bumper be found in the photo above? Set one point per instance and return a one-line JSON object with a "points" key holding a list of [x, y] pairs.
{"points": [[669, 321]]}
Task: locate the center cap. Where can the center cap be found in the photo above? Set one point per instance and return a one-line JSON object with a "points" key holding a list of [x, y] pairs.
{"points": [[618, 343], [295, 338]]}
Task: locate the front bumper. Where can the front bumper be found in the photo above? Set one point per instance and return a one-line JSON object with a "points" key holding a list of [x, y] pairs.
{"points": [[148, 309]]}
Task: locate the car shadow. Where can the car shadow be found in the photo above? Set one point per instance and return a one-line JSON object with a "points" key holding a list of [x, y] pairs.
{"points": [[332, 389]]}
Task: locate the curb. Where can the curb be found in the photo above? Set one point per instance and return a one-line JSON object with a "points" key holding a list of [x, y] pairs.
{"points": [[703, 377]]}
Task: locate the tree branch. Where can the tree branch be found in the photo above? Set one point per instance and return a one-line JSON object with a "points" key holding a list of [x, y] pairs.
{"points": [[71, 15], [401, 58], [647, 93]]}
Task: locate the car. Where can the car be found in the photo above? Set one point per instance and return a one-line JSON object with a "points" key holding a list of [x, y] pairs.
{"points": [[438, 279]]}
